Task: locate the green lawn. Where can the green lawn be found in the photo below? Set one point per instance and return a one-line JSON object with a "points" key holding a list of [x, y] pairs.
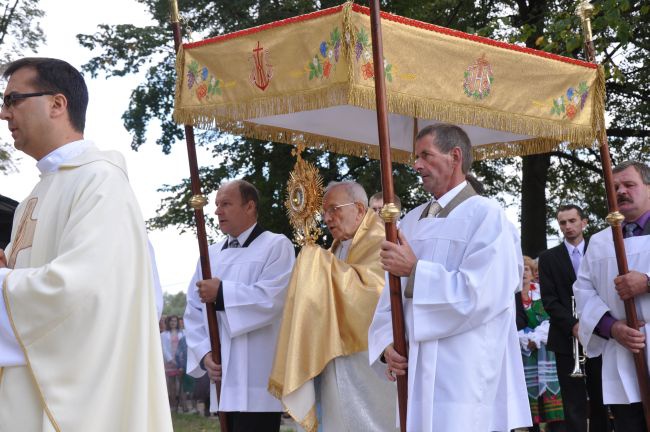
{"points": [[198, 423], [194, 423]]}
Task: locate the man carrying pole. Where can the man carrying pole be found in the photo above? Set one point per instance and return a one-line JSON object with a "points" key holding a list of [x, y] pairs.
{"points": [[600, 293], [252, 268], [460, 263]]}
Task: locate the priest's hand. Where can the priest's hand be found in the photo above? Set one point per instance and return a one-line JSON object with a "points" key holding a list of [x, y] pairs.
{"points": [[396, 364], [398, 258], [3, 259], [214, 370], [630, 338], [208, 289], [631, 284]]}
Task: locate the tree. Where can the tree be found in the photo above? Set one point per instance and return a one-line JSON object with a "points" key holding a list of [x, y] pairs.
{"points": [[20, 31], [620, 28], [174, 304]]}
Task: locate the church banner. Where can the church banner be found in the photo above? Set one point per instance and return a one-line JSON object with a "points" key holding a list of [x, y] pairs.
{"points": [[310, 80]]}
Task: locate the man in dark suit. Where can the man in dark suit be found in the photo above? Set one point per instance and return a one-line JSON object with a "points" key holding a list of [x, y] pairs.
{"points": [[558, 267]]}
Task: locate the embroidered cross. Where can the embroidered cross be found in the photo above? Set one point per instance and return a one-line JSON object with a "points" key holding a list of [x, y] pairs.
{"points": [[25, 234]]}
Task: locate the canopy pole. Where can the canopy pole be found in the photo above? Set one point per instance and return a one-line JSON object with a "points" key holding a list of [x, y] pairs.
{"points": [[389, 213], [615, 218], [197, 202]]}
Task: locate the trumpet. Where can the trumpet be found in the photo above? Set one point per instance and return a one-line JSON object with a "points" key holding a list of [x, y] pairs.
{"points": [[578, 359]]}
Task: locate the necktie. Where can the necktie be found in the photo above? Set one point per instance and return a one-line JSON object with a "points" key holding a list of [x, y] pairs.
{"points": [[575, 260], [629, 229], [434, 209], [233, 243]]}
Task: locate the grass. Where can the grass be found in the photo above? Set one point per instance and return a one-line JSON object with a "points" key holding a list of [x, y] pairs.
{"points": [[198, 423], [194, 423]]}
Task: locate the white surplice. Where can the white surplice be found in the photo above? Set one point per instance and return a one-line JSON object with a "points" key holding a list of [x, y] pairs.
{"points": [[254, 280], [465, 369], [80, 303], [595, 294]]}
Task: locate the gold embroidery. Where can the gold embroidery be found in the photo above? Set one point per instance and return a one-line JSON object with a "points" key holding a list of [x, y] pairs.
{"points": [[25, 233]]}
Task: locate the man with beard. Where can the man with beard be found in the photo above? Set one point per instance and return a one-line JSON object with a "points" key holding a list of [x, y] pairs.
{"points": [[600, 293]]}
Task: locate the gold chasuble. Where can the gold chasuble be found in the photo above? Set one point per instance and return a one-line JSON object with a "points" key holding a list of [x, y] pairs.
{"points": [[329, 307]]}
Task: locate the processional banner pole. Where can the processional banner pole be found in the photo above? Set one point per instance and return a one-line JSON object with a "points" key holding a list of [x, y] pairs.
{"points": [[615, 218], [389, 213], [197, 202]]}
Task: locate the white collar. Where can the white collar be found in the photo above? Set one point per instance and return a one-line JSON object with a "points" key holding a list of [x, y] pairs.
{"points": [[66, 152], [450, 195], [580, 247], [241, 238], [343, 249]]}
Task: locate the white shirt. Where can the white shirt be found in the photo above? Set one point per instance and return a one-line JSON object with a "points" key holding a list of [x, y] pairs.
{"points": [[580, 247], [241, 238]]}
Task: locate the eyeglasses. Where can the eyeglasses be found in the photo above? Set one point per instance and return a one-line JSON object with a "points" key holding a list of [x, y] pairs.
{"points": [[11, 98], [331, 210]]}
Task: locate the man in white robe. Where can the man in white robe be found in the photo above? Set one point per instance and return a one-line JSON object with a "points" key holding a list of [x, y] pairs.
{"points": [[79, 343], [251, 270], [460, 263], [600, 292]]}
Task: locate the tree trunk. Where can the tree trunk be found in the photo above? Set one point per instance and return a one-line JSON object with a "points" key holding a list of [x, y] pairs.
{"points": [[533, 203]]}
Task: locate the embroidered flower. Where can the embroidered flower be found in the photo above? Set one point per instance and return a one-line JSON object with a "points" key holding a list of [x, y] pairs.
{"points": [[366, 56], [569, 93], [191, 79], [571, 111], [204, 73], [327, 67], [368, 71], [337, 50], [576, 98], [201, 91], [315, 61], [323, 48]]}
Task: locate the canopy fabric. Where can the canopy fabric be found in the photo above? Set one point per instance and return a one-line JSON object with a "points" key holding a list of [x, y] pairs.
{"points": [[310, 79]]}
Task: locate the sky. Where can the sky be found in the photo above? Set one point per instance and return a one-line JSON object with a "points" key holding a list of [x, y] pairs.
{"points": [[149, 168]]}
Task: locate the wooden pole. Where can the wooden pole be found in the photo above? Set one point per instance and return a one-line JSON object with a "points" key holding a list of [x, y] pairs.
{"points": [[389, 212], [197, 202], [615, 218]]}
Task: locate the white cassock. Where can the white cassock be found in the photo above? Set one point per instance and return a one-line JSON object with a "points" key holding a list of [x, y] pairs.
{"points": [[254, 280], [595, 294], [79, 340], [465, 370]]}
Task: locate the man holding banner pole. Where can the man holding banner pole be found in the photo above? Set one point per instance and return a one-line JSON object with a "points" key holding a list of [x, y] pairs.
{"points": [[460, 263]]}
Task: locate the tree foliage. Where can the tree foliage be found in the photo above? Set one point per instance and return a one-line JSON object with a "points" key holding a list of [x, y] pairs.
{"points": [[20, 32], [543, 181], [174, 304]]}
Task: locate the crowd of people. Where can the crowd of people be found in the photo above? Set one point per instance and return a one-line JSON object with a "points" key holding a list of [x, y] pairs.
{"points": [[493, 337]]}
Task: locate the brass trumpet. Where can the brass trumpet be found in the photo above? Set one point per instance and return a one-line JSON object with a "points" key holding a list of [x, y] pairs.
{"points": [[578, 359]]}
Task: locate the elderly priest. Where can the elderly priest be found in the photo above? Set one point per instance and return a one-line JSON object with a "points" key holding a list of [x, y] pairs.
{"points": [[322, 357]]}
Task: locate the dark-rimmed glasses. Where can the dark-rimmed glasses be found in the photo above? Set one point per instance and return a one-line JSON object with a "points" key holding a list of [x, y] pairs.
{"points": [[11, 98]]}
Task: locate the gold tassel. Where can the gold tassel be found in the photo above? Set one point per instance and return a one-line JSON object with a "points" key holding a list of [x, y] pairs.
{"points": [[180, 65]]}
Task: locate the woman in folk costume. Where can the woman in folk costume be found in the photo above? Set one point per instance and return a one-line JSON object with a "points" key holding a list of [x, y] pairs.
{"points": [[539, 364]]}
